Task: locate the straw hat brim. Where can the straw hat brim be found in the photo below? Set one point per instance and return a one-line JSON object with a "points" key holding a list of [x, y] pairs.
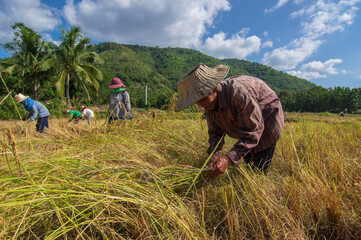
{"points": [[19, 98], [197, 83]]}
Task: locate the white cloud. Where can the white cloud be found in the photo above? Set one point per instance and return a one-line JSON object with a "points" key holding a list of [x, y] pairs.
{"points": [[298, 1], [344, 71], [321, 18], [33, 14], [158, 22], [235, 46], [287, 58], [327, 17], [317, 69], [348, 2], [325, 67], [69, 12], [306, 75], [267, 44], [278, 5], [47, 37], [358, 76]]}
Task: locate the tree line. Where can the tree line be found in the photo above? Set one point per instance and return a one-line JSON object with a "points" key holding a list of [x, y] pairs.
{"points": [[70, 66], [319, 99]]}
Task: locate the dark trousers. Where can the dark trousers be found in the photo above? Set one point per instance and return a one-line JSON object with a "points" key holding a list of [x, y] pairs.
{"points": [[261, 160], [42, 122]]}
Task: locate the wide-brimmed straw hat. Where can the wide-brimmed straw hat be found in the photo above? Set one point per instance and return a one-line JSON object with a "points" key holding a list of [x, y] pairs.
{"points": [[19, 98], [116, 83], [197, 83]]}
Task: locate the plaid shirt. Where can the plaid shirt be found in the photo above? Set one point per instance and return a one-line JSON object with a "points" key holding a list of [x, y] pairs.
{"points": [[249, 110]]}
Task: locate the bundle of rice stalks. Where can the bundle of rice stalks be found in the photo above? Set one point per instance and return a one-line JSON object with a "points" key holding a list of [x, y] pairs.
{"points": [[181, 178], [116, 207]]}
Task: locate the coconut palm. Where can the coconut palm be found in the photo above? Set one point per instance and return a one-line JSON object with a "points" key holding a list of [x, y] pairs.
{"points": [[32, 56], [77, 64]]}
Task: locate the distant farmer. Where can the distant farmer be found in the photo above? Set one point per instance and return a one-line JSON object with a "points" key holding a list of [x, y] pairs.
{"points": [[74, 115], [342, 114], [243, 107], [86, 112], [35, 109], [118, 97]]}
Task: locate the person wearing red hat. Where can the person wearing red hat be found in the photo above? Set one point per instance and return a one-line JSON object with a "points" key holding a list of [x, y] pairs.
{"points": [[86, 112], [118, 97]]}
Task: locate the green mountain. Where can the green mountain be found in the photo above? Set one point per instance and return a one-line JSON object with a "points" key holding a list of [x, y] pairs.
{"points": [[160, 68]]}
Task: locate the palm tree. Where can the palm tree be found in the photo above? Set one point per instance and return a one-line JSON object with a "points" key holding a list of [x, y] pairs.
{"points": [[77, 64], [32, 56]]}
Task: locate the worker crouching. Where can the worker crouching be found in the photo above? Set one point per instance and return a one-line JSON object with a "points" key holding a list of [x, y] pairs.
{"points": [[243, 107]]}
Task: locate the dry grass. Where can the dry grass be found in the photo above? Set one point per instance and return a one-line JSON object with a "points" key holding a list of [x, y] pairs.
{"points": [[124, 181]]}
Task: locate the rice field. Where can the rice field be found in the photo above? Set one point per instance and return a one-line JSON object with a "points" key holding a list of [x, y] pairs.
{"points": [[142, 179]]}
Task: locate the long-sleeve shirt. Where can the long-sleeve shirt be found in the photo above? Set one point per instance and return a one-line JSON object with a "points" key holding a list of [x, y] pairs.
{"points": [[115, 106], [87, 113], [37, 109], [74, 114], [249, 110]]}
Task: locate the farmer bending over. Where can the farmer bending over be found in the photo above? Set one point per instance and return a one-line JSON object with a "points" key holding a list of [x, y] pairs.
{"points": [[34, 108], [243, 107], [86, 112], [74, 115]]}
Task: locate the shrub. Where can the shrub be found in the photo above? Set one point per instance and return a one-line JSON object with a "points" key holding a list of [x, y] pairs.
{"points": [[327, 114]]}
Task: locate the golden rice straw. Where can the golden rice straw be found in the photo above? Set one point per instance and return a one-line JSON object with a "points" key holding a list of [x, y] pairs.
{"points": [[5, 97], [12, 143]]}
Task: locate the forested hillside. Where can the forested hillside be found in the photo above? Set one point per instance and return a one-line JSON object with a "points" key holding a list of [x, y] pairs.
{"points": [[160, 68]]}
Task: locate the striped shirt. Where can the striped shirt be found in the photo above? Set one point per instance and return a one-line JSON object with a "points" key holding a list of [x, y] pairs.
{"points": [[249, 110]]}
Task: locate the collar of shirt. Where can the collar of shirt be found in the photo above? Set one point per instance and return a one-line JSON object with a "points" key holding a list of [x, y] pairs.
{"points": [[221, 99]]}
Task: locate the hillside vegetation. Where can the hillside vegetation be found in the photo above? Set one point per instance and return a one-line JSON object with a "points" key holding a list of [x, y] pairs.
{"points": [[160, 68]]}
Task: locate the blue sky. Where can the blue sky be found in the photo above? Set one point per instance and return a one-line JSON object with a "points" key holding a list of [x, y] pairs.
{"points": [[318, 40]]}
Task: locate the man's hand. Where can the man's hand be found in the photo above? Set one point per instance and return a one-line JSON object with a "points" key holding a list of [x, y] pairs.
{"points": [[219, 166]]}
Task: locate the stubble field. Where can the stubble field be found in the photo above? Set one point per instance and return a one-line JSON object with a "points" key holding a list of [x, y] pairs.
{"points": [[127, 181]]}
